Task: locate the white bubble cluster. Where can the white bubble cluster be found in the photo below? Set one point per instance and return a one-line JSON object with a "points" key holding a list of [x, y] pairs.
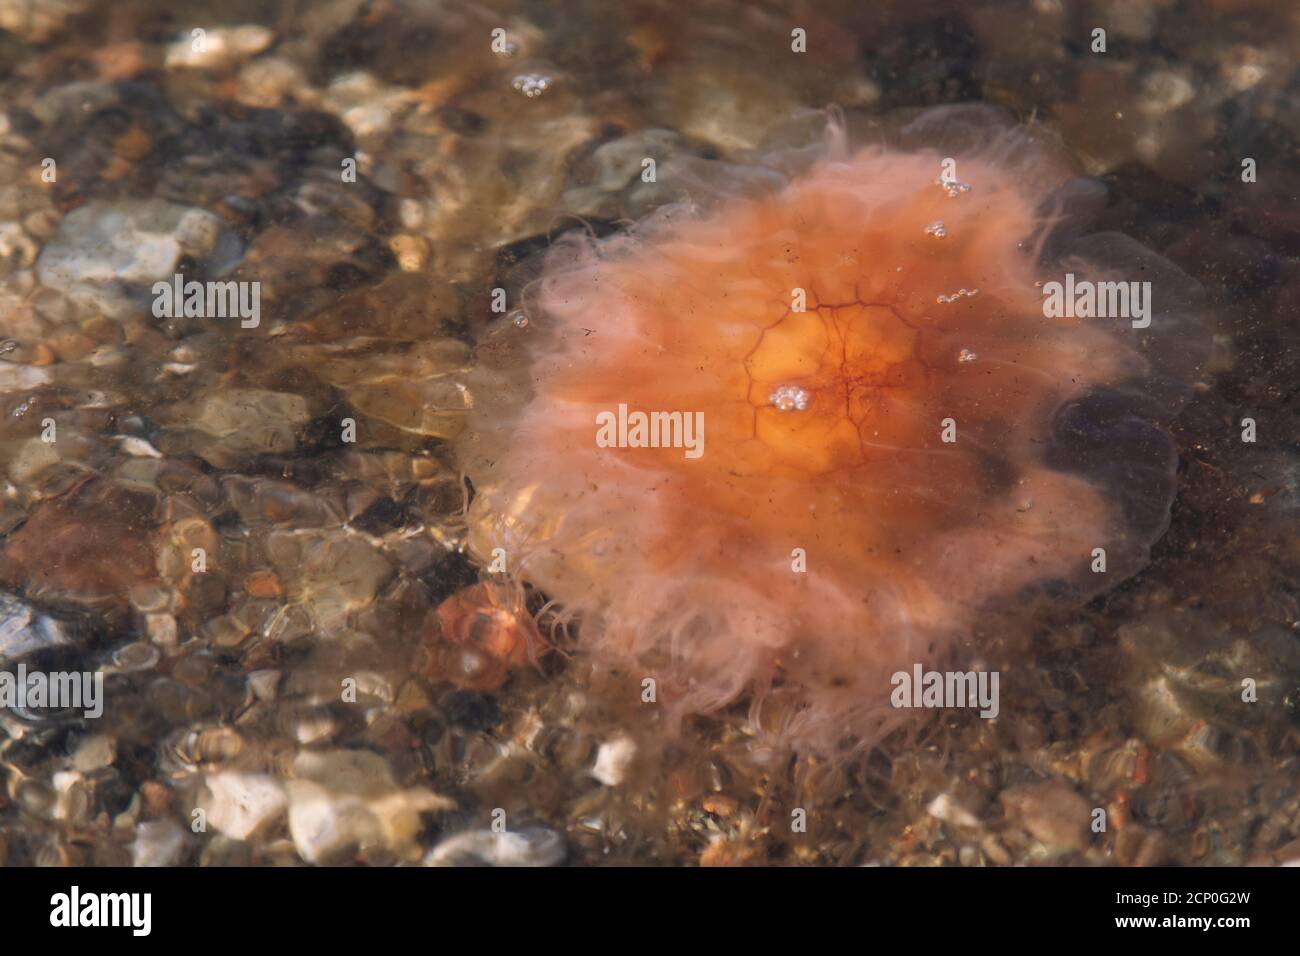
{"points": [[532, 85], [790, 398]]}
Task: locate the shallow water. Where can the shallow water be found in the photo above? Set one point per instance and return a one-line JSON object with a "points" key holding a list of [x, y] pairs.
{"points": [[253, 528]]}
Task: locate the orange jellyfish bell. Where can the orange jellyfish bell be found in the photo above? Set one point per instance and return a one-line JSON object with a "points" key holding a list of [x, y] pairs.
{"points": [[805, 439]]}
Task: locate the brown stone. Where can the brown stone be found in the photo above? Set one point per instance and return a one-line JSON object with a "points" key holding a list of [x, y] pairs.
{"points": [[88, 547]]}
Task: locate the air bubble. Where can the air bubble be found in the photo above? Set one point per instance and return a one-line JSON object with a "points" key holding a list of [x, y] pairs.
{"points": [[532, 85], [959, 294], [966, 355], [937, 229], [790, 398]]}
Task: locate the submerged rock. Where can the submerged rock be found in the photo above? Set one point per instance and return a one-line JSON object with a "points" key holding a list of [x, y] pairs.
{"points": [[24, 629], [219, 48], [158, 843], [88, 548], [348, 802], [419, 389], [531, 846], [228, 426], [242, 805], [38, 22], [330, 575], [1050, 812], [109, 253]]}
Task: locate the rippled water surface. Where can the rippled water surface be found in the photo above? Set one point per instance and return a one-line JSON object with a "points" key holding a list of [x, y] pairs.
{"points": [[257, 532]]}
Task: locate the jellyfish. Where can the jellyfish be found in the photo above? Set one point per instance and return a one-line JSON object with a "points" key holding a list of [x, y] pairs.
{"points": [[898, 441]]}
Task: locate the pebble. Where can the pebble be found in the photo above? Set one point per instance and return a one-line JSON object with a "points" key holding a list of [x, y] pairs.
{"points": [[38, 22], [22, 378], [230, 425], [1051, 812], [17, 249], [108, 254], [531, 846], [264, 684], [218, 48], [268, 82], [88, 549], [412, 252], [613, 758], [346, 802], [329, 575], [418, 390], [242, 805], [158, 843], [23, 629], [327, 825], [95, 753], [945, 808]]}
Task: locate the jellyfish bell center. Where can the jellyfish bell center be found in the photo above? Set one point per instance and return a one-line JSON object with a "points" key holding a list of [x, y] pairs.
{"points": [[819, 381]]}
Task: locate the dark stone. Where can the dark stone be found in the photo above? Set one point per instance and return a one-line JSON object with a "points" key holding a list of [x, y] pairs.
{"points": [[383, 516], [929, 62], [471, 709]]}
